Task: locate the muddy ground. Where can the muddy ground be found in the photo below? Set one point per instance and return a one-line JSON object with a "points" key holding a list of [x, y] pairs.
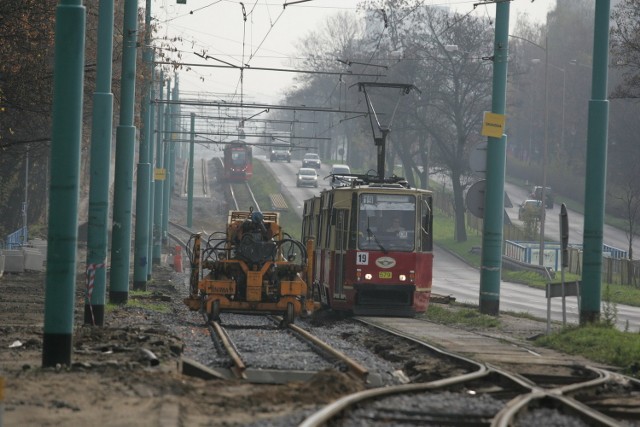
{"points": [[127, 373]]}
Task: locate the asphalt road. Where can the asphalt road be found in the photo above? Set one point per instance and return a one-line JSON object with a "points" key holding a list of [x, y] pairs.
{"points": [[612, 236], [456, 278]]}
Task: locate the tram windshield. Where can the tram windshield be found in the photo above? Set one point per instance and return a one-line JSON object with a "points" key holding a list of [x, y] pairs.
{"points": [[238, 157], [387, 222]]}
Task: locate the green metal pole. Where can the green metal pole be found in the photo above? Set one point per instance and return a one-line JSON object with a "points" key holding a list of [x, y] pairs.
{"points": [[159, 182], [166, 189], [172, 144], [101, 130], [152, 184], [190, 182], [491, 267], [68, 79], [141, 244], [125, 149], [595, 181]]}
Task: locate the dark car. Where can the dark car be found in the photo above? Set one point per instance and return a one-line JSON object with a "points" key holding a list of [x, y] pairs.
{"points": [[311, 160], [531, 209], [281, 154], [536, 194]]}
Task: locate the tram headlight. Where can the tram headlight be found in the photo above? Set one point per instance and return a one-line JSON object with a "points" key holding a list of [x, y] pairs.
{"points": [[402, 277], [368, 276]]}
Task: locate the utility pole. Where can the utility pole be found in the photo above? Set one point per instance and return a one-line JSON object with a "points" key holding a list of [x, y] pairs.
{"points": [[100, 164], [595, 179], [125, 149], [190, 182], [66, 136], [152, 184], [166, 188], [141, 252], [159, 179], [492, 234]]}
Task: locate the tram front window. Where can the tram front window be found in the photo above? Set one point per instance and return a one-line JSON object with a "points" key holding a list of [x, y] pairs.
{"points": [[238, 158], [386, 222]]}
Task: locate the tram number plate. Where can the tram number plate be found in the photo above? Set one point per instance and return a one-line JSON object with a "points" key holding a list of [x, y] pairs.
{"points": [[384, 275], [362, 258]]}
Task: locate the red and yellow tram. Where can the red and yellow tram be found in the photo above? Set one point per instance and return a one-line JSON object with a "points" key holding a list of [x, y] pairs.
{"points": [[371, 247], [238, 161]]}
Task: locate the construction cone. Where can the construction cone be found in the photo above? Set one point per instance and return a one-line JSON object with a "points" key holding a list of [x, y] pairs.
{"points": [[177, 259]]}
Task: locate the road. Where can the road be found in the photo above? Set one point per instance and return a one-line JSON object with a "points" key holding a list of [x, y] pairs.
{"points": [[456, 278], [612, 236]]}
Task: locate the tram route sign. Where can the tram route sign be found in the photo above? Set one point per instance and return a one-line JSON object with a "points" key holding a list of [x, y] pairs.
{"points": [[160, 174], [493, 124]]}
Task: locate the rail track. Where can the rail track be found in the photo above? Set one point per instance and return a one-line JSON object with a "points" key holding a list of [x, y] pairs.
{"points": [[283, 353], [430, 388], [550, 394]]}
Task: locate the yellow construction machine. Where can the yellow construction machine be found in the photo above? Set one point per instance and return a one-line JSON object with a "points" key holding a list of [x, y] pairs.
{"points": [[252, 267]]}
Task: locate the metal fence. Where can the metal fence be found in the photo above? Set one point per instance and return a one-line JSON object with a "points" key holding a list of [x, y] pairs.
{"points": [[616, 269], [17, 239]]}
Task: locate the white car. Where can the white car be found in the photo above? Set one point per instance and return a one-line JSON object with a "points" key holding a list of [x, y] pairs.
{"points": [[307, 177], [339, 176]]}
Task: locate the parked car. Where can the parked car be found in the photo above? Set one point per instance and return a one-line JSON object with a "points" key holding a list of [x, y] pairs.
{"points": [[339, 176], [536, 194], [282, 154], [307, 177], [311, 160], [530, 205]]}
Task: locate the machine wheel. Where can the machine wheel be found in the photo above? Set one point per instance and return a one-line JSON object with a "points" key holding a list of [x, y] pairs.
{"points": [[289, 315], [214, 315]]}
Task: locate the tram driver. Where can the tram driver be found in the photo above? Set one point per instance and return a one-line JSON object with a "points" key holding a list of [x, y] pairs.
{"points": [[395, 226]]}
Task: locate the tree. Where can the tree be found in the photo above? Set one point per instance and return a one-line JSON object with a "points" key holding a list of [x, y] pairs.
{"points": [[456, 89], [625, 47], [26, 91], [26, 42], [336, 46]]}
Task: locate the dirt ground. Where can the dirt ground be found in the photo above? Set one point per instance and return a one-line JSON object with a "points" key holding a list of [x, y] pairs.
{"points": [[126, 373]]}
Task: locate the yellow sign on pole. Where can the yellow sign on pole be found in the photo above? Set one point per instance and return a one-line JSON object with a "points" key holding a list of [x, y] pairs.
{"points": [[493, 124], [159, 174]]}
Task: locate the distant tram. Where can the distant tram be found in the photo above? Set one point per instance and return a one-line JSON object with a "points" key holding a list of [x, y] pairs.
{"points": [[238, 161], [370, 245]]}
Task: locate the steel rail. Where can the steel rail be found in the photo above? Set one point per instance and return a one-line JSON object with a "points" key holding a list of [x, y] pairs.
{"points": [[239, 367], [354, 367], [328, 412], [205, 178], [506, 417], [253, 198]]}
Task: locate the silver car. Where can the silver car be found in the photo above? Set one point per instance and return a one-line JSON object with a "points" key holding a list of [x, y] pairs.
{"points": [[307, 177]]}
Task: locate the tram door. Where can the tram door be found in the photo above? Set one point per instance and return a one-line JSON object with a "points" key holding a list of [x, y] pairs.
{"points": [[341, 221]]}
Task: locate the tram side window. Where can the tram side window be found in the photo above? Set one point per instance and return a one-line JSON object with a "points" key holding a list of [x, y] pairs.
{"points": [[426, 224]]}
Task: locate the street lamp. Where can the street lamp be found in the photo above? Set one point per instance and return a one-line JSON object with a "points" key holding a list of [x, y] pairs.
{"points": [[543, 213], [564, 85]]}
